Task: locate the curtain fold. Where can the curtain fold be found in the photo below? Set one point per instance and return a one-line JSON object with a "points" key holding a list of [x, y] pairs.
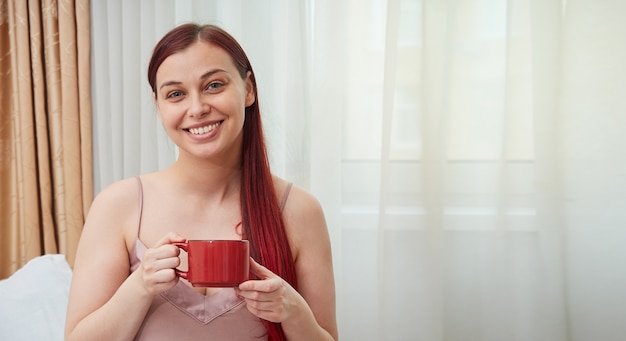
{"points": [[547, 56], [46, 135], [591, 121]]}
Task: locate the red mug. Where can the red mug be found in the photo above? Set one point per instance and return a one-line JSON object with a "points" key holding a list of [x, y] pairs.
{"points": [[216, 263]]}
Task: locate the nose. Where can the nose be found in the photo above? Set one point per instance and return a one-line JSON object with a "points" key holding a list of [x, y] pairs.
{"points": [[198, 106]]}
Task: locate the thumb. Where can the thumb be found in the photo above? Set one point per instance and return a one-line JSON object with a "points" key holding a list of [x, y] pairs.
{"points": [[170, 238], [259, 270]]}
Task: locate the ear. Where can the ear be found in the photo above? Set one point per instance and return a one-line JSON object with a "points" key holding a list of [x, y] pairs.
{"points": [[250, 95]]}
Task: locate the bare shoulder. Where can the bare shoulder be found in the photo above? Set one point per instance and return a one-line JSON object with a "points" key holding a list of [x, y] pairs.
{"points": [[111, 217], [299, 203], [303, 215], [118, 202], [119, 193]]}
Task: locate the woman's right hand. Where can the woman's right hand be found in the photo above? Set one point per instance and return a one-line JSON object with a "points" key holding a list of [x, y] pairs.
{"points": [[159, 262]]}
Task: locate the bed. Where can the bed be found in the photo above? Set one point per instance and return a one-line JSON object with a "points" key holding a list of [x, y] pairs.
{"points": [[34, 299]]}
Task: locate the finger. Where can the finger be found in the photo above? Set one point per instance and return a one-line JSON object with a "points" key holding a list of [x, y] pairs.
{"points": [[250, 292], [171, 237], [252, 289], [164, 275], [164, 257], [270, 311], [162, 252], [238, 292], [167, 263], [164, 248], [263, 306], [160, 281], [268, 281], [259, 270]]}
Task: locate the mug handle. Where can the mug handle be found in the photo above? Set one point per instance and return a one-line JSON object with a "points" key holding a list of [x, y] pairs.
{"points": [[181, 273]]}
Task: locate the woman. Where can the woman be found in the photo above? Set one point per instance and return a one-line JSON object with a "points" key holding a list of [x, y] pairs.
{"points": [[220, 187]]}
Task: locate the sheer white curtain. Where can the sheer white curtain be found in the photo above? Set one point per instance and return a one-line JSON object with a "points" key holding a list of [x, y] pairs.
{"points": [[468, 154]]}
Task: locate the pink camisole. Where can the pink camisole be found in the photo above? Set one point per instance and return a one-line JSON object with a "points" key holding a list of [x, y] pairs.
{"points": [[181, 313]]}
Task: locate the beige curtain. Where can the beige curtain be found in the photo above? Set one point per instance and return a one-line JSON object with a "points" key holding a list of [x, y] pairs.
{"points": [[45, 128]]}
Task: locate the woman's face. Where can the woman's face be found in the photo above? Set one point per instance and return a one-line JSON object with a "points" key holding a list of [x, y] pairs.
{"points": [[201, 99]]}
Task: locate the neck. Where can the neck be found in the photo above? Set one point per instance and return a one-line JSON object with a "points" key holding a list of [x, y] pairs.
{"points": [[203, 178]]}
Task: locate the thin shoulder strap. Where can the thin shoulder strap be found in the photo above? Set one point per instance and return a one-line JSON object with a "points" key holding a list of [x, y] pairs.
{"points": [[140, 187], [283, 200]]}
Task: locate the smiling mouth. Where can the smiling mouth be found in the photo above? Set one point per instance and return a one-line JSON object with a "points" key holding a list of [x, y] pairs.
{"points": [[203, 130]]}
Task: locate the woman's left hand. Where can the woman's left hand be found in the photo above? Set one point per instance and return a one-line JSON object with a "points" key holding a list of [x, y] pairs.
{"points": [[271, 297]]}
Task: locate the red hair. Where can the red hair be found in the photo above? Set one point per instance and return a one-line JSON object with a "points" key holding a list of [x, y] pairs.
{"points": [[262, 221]]}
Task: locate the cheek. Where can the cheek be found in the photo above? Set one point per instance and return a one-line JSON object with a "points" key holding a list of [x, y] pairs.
{"points": [[168, 117], [231, 105]]}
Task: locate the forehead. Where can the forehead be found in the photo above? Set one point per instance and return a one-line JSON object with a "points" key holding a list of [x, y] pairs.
{"points": [[195, 60]]}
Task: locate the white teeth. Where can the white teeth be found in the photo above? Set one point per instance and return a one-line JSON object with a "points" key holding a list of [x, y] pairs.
{"points": [[204, 130]]}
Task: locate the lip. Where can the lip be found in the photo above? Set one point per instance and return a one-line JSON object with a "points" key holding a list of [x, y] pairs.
{"points": [[205, 135]]}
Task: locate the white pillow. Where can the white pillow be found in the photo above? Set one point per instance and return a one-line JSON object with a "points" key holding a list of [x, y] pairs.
{"points": [[33, 300]]}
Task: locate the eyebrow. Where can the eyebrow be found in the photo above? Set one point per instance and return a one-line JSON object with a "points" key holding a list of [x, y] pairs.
{"points": [[204, 76]]}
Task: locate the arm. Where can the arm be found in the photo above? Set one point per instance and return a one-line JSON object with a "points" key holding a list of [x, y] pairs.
{"points": [[105, 302], [307, 314]]}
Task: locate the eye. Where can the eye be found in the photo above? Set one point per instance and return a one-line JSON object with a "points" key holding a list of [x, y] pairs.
{"points": [[174, 94], [214, 86]]}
